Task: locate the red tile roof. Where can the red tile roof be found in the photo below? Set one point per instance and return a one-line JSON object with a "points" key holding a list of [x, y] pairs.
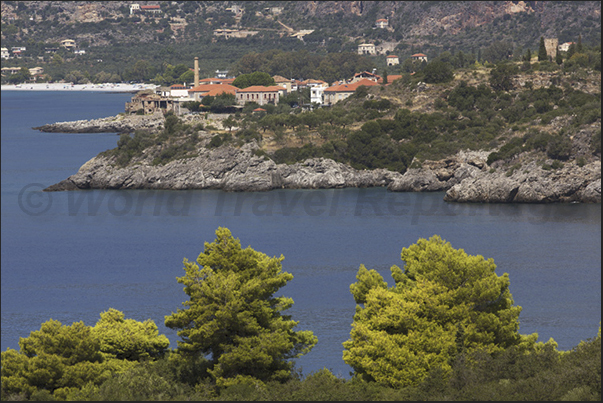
{"points": [[213, 89], [351, 87], [391, 56], [419, 55]]}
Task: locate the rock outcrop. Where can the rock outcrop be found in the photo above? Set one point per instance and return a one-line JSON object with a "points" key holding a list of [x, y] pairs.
{"points": [[225, 168], [112, 124], [437, 176], [465, 177], [531, 184]]}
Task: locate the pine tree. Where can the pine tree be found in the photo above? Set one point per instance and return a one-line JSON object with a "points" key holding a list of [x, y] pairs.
{"points": [[444, 302], [542, 55], [233, 317]]}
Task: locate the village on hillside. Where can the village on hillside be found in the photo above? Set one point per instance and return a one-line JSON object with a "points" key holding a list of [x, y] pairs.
{"points": [[174, 97]]}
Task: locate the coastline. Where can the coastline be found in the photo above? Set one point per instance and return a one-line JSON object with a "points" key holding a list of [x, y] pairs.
{"points": [[106, 87]]}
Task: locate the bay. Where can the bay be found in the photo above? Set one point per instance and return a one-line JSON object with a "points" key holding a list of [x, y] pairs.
{"points": [[71, 255]]}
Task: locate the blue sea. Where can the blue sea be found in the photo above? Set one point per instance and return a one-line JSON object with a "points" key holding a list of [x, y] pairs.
{"points": [[71, 255]]}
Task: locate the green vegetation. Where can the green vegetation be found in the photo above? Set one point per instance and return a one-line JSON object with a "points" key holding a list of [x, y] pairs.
{"points": [[444, 304], [447, 330], [58, 360], [138, 47], [233, 317], [255, 78]]}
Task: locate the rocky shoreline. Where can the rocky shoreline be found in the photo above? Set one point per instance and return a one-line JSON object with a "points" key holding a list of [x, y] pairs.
{"points": [[112, 124], [465, 177]]}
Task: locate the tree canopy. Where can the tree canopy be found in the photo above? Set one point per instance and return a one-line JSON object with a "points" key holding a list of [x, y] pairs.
{"points": [[59, 359], [233, 317], [444, 303], [255, 78]]}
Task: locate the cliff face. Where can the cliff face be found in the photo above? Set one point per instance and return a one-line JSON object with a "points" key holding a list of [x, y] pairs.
{"points": [[225, 168], [466, 177]]}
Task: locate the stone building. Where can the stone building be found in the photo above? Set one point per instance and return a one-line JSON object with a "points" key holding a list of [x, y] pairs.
{"points": [[259, 94], [392, 60], [551, 46], [148, 102], [366, 49]]}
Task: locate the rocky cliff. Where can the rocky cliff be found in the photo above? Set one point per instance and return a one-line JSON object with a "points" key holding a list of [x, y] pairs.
{"points": [[227, 168], [466, 177]]}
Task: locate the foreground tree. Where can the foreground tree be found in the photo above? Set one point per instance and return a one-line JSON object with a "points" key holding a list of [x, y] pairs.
{"points": [[58, 360], [233, 317], [128, 339], [444, 303]]}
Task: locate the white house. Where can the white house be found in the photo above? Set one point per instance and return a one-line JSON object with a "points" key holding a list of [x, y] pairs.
{"points": [[392, 60], [419, 56], [366, 49], [564, 47], [68, 44], [5, 54], [317, 93], [382, 23]]}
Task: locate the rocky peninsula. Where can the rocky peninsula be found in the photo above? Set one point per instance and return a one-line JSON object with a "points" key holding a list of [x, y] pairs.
{"points": [[121, 123], [465, 177]]}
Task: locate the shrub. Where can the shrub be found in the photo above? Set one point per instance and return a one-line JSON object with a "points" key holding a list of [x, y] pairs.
{"points": [[559, 148]]}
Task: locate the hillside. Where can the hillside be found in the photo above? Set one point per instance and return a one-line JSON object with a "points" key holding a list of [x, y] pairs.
{"points": [[115, 39]]}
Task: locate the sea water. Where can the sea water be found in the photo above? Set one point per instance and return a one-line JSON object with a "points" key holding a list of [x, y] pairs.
{"points": [[71, 255]]}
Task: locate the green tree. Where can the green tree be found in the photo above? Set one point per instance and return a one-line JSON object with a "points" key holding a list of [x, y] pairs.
{"points": [[22, 76], [187, 77], [233, 317], [229, 123], [444, 303], [128, 339], [59, 359], [542, 55], [438, 72], [579, 45], [501, 77], [558, 58], [255, 78]]}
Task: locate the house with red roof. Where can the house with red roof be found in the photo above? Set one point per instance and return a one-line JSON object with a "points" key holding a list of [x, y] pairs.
{"points": [[381, 23], [282, 82], [337, 93], [203, 90], [365, 75], [392, 60], [419, 56], [259, 94], [155, 8]]}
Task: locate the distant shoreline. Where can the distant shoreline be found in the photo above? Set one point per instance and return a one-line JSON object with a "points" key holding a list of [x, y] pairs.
{"points": [[107, 87]]}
